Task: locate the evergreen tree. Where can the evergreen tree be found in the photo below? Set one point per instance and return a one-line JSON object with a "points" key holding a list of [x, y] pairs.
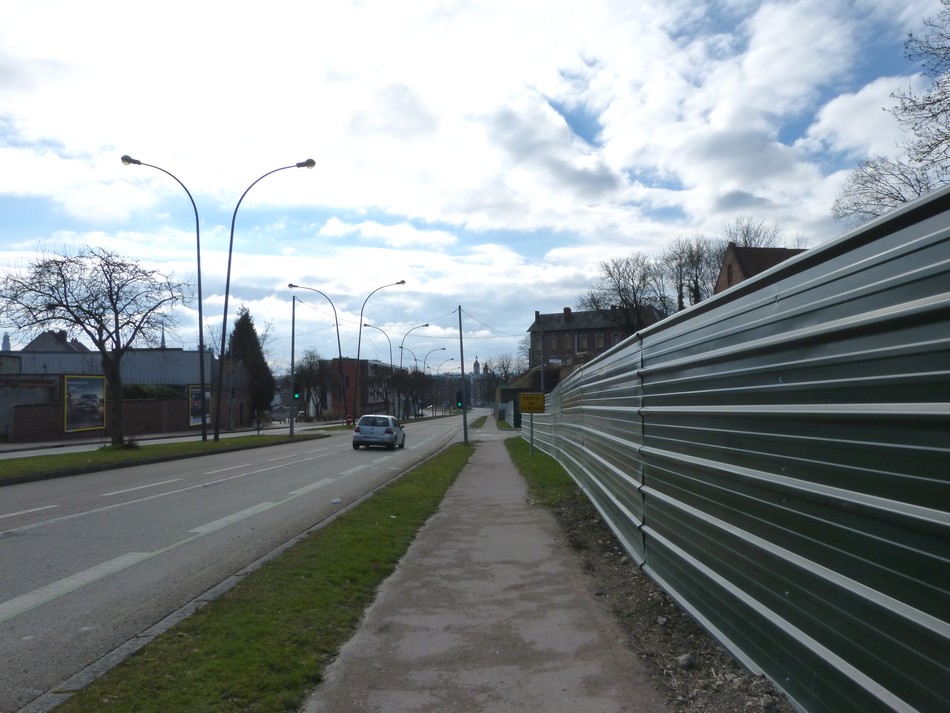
{"points": [[245, 346]]}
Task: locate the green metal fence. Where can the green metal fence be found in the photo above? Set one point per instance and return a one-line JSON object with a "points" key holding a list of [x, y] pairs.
{"points": [[778, 459]]}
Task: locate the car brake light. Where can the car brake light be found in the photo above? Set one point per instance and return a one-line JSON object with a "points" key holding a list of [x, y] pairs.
{"points": [[389, 430], [356, 430]]}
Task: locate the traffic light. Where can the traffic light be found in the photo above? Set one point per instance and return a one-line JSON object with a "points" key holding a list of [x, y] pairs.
{"points": [[296, 391], [458, 399]]}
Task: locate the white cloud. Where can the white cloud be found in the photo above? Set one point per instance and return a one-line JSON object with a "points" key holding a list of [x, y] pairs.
{"points": [[442, 133], [856, 124]]}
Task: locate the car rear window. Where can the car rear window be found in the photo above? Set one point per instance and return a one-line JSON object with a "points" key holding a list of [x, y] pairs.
{"points": [[373, 421]]}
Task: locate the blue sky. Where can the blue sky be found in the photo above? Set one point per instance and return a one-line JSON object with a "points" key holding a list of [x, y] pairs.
{"points": [[491, 154]]}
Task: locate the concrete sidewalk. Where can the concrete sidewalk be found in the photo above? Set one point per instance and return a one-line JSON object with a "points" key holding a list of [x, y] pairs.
{"points": [[488, 611]]}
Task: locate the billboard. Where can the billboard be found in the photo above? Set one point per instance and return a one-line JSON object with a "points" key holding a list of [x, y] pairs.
{"points": [[84, 403], [194, 404]]}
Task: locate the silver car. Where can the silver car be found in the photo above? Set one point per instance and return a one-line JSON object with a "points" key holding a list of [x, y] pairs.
{"points": [[379, 430]]}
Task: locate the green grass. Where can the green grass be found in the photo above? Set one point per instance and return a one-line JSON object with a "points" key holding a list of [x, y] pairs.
{"points": [[548, 483], [264, 645], [479, 422], [53, 464]]}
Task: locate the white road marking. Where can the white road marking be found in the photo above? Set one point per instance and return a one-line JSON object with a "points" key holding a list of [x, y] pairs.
{"points": [[141, 487], [27, 512], [357, 469], [30, 600], [313, 486], [222, 470], [233, 518]]}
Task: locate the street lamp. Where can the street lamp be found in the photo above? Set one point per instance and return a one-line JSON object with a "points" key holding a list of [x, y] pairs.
{"points": [[407, 349], [359, 340], [424, 361], [309, 163], [418, 326], [338, 347], [425, 367], [392, 371], [293, 388], [399, 405], [439, 368], [129, 161]]}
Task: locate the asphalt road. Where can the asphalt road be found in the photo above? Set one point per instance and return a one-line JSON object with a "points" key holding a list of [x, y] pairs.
{"points": [[88, 562]]}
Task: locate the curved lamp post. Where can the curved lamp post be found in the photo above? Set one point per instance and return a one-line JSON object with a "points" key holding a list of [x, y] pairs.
{"points": [[425, 368], [414, 359], [339, 349], [392, 370], [439, 368], [359, 339], [309, 163], [418, 326], [399, 406], [425, 364], [129, 161]]}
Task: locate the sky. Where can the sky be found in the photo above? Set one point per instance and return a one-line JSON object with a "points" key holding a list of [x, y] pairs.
{"points": [[491, 154]]}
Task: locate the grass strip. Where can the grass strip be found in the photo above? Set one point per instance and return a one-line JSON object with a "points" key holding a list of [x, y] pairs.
{"points": [[549, 484], [264, 645], [53, 464]]}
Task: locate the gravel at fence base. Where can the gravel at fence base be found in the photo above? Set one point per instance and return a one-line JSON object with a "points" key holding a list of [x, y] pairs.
{"points": [[692, 672]]}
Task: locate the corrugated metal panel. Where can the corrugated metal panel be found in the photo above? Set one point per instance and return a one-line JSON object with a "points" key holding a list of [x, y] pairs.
{"points": [[171, 367], [783, 451]]}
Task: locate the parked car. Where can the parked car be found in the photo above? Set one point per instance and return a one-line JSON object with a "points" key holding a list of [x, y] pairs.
{"points": [[379, 430]]}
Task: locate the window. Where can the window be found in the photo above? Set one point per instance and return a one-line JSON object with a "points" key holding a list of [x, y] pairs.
{"points": [[582, 343], [615, 339], [599, 340]]}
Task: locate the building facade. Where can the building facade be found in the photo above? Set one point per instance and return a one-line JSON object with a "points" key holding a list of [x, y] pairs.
{"points": [[570, 337]]}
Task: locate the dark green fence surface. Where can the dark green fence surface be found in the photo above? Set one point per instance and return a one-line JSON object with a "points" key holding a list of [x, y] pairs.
{"points": [[777, 458]]}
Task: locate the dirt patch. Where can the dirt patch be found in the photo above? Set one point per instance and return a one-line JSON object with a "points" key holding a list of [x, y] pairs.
{"points": [[692, 672]]}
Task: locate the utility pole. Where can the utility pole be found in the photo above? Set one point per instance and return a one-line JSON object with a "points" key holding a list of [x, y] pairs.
{"points": [[462, 381]]}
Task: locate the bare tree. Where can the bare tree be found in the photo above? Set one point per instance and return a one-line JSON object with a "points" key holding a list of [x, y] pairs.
{"points": [[110, 300], [314, 379], [627, 292], [879, 184], [926, 116], [503, 367], [747, 232]]}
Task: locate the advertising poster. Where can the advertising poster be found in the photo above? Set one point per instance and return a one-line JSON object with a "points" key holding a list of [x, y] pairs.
{"points": [[194, 401], [85, 403]]}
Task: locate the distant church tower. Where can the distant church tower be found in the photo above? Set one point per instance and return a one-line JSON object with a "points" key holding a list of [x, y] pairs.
{"points": [[476, 367], [6, 342]]}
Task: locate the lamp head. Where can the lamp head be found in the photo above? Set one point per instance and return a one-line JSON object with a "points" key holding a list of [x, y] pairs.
{"points": [[402, 282], [292, 286], [309, 163], [128, 160]]}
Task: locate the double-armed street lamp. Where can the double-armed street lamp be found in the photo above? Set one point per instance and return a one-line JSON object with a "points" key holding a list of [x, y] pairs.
{"points": [[309, 163], [359, 339], [339, 348], [129, 161]]}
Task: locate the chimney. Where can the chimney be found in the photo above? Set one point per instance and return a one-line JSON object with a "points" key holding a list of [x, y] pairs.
{"points": [[567, 314], [537, 315]]}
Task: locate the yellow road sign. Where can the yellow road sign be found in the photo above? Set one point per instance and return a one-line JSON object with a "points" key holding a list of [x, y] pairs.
{"points": [[531, 403]]}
